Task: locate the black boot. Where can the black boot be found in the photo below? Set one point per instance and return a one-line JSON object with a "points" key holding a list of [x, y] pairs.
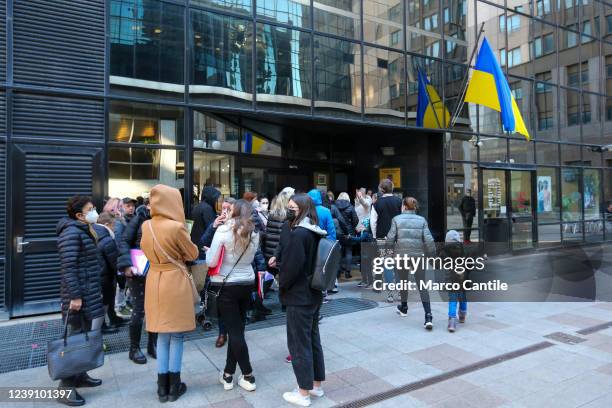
{"points": [[71, 397], [177, 388], [135, 352], [109, 328], [113, 318], [163, 384], [152, 345], [85, 381]]}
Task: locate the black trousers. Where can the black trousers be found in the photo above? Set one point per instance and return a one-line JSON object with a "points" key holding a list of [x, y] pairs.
{"points": [[419, 276], [304, 344], [137, 290], [233, 303], [109, 284], [468, 220]]}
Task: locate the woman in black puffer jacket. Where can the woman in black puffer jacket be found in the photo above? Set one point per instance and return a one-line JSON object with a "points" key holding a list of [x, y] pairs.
{"points": [[81, 290], [276, 218], [131, 240]]}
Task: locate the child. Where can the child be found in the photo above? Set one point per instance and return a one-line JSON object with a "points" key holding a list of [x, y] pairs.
{"points": [[453, 248]]}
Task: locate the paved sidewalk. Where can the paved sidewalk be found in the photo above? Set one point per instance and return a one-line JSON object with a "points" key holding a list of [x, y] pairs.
{"points": [[372, 351]]}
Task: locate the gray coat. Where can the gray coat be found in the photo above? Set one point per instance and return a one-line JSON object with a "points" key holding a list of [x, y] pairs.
{"points": [[410, 235]]}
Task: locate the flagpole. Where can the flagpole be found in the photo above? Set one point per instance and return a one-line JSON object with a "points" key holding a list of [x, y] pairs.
{"points": [[465, 81]]}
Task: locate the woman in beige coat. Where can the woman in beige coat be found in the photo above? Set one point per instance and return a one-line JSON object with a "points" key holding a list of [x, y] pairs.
{"points": [[168, 294]]}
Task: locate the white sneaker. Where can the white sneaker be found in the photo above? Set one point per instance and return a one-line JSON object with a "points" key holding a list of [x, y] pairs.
{"points": [[317, 392], [228, 383], [294, 397], [246, 384]]}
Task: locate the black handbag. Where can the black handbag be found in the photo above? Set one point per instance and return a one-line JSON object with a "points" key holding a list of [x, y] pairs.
{"points": [[212, 292], [75, 354]]}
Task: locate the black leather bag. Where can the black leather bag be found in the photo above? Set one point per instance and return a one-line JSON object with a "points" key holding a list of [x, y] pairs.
{"points": [[75, 354]]}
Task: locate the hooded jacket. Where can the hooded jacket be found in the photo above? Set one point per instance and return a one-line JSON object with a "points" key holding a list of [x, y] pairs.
{"points": [[131, 237], [204, 213], [326, 221], [453, 248], [300, 248], [168, 293], [80, 267], [348, 220], [108, 251]]}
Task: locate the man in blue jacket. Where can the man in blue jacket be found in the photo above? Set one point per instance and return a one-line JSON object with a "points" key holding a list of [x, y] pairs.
{"points": [[325, 218]]}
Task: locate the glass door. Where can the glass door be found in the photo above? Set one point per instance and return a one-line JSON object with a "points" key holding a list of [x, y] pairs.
{"points": [[521, 209], [494, 207]]}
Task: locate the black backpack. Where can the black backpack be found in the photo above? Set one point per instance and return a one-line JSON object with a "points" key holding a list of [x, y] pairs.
{"points": [[326, 264]]}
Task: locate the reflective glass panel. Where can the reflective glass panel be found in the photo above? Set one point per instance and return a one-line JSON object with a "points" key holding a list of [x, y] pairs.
{"points": [[284, 68], [383, 23], [591, 191], [291, 12], [131, 122], [236, 6], [571, 199], [210, 133], [461, 184], [221, 47], [385, 94], [338, 17], [337, 77]]}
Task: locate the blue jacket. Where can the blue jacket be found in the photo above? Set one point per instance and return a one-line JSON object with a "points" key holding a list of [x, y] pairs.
{"points": [[325, 218]]}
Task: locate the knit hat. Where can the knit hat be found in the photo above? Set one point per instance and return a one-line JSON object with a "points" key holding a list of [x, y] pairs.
{"points": [[452, 236]]}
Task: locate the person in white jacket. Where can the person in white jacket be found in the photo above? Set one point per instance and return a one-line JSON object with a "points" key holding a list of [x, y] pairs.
{"points": [[234, 284]]}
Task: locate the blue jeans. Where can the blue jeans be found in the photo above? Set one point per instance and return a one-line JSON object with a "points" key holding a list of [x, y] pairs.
{"points": [[169, 352], [453, 299]]}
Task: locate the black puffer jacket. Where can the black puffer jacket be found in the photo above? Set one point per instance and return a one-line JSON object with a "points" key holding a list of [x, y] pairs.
{"points": [[204, 213], [349, 215], [109, 252], [272, 235], [81, 267], [131, 237]]}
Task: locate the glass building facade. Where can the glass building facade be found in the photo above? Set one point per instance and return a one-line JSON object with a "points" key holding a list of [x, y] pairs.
{"points": [[110, 97], [357, 61]]}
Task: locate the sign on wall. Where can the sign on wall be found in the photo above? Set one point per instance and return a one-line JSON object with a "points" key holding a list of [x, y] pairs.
{"points": [[392, 173]]}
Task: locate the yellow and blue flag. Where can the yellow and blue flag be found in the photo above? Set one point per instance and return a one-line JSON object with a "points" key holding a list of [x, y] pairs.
{"points": [[252, 143], [489, 87], [431, 112]]}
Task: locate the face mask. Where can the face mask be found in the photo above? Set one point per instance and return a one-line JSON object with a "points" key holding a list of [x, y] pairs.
{"points": [[92, 216], [290, 214]]}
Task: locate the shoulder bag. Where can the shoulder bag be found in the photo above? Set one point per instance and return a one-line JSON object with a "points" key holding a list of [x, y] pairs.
{"points": [[211, 295], [181, 266], [75, 354]]}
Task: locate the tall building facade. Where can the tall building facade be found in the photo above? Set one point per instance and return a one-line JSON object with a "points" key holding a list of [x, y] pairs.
{"points": [[111, 97]]}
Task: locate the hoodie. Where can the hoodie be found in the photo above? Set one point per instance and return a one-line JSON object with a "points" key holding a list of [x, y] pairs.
{"points": [[204, 213], [294, 276], [324, 214]]}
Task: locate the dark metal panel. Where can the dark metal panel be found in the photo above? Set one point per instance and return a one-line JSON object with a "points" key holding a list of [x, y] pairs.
{"points": [[2, 223], [46, 177], [2, 113], [41, 116], [2, 40], [59, 43]]}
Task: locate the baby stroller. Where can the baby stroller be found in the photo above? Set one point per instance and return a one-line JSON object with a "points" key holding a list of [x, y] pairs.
{"points": [[204, 319]]}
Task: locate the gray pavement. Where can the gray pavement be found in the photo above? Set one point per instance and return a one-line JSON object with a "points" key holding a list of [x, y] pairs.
{"points": [[373, 351]]}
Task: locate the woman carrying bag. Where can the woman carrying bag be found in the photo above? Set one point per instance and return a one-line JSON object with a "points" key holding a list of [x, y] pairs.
{"points": [[169, 300], [81, 289], [238, 241]]}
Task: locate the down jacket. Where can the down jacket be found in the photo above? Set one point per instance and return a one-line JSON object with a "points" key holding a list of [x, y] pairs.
{"points": [[108, 252], [272, 235], [132, 233], [81, 267], [410, 235]]}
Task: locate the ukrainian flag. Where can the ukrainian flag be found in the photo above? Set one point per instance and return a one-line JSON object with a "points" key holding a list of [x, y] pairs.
{"points": [[431, 112], [252, 143], [489, 87]]}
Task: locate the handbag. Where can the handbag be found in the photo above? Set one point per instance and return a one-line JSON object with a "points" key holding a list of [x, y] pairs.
{"points": [[74, 354], [199, 271], [181, 266], [215, 271], [211, 295]]}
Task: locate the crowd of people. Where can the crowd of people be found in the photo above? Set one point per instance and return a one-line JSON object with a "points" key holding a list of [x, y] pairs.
{"points": [[250, 243]]}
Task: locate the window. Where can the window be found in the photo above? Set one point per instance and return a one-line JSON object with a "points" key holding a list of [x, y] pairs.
{"points": [[512, 23], [571, 37], [396, 37], [577, 73], [543, 45], [543, 7], [131, 122], [502, 57], [446, 16], [514, 57], [290, 12], [141, 35]]}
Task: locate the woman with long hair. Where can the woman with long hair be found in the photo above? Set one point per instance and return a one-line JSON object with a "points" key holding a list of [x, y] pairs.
{"points": [[169, 300], [300, 236], [276, 217], [234, 285]]}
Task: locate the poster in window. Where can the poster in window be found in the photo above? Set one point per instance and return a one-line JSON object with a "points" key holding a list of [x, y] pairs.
{"points": [[391, 173], [544, 195]]}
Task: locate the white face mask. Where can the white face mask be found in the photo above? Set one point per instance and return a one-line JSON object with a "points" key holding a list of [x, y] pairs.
{"points": [[92, 216]]}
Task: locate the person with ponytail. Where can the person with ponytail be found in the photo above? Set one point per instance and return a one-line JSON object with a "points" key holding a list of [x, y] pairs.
{"points": [[234, 284]]}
